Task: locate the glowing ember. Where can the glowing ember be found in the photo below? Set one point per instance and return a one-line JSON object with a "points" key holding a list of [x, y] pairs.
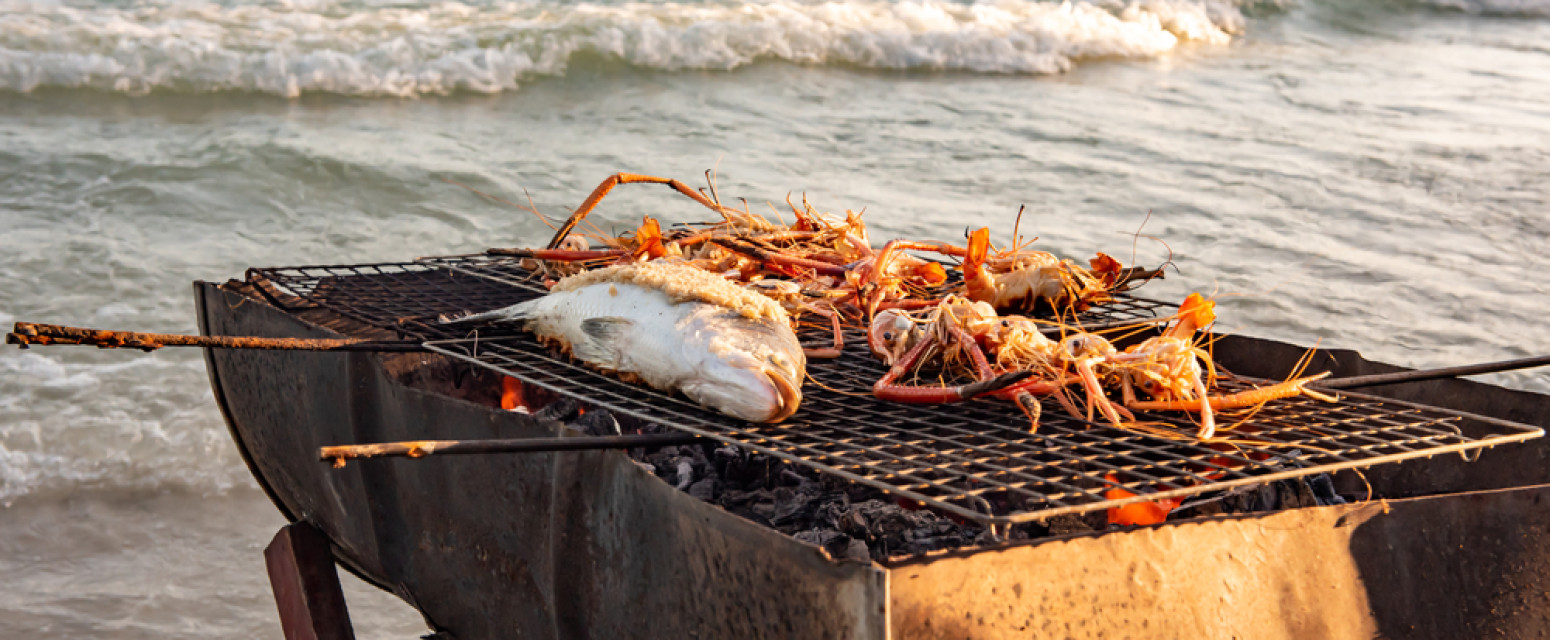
{"points": [[1138, 513]]}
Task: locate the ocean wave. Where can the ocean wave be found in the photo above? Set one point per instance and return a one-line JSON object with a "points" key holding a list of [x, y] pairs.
{"points": [[1499, 8], [293, 47], [143, 424]]}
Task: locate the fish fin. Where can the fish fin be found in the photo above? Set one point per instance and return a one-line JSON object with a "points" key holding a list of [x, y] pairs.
{"points": [[603, 334], [514, 313], [607, 328]]}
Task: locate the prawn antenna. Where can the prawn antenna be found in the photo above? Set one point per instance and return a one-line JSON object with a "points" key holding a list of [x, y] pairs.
{"points": [[710, 179], [1017, 225]]}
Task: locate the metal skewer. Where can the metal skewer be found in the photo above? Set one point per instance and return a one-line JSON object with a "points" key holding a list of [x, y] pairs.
{"points": [[26, 334], [1432, 374], [419, 448]]}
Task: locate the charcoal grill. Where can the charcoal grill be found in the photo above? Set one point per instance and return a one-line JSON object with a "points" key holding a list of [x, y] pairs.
{"points": [[974, 460]]}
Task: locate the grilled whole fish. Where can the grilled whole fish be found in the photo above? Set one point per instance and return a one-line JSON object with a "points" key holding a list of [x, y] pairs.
{"points": [[676, 328]]}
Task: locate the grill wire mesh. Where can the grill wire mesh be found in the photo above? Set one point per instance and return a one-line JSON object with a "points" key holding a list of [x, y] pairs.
{"points": [[975, 460]]}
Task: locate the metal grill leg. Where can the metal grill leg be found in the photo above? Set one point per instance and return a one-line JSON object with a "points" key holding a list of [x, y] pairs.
{"points": [[306, 585]]}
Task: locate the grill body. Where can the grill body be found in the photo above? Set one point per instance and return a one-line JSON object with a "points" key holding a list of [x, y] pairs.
{"points": [[585, 544]]}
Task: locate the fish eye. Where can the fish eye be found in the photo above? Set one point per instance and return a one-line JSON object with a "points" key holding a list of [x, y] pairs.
{"points": [[887, 335]]}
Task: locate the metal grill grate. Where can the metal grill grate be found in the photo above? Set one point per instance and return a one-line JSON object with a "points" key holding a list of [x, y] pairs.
{"points": [[975, 460]]}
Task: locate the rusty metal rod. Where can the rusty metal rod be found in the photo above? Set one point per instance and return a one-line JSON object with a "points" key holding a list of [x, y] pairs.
{"points": [[1431, 374], [26, 334], [419, 448]]}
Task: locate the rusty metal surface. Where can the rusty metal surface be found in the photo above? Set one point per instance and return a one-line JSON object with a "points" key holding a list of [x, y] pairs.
{"points": [[580, 544], [339, 455], [31, 333], [1460, 566]]}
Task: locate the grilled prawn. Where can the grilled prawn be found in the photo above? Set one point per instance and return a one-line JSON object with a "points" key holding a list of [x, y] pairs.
{"points": [[675, 328]]}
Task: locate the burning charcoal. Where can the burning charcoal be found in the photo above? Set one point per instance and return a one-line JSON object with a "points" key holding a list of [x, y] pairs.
{"points": [[684, 468], [763, 507], [839, 546], [792, 478], [853, 523], [820, 537], [858, 551], [704, 489], [1251, 500], [1266, 498], [563, 409], [1201, 508], [597, 422], [792, 506], [988, 537], [885, 521], [834, 483], [757, 505], [1063, 524], [702, 464], [832, 510], [739, 468], [725, 453], [1324, 490], [1295, 494]]}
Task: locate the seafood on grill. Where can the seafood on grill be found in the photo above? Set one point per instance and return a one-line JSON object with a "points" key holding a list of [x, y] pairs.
{"points": [[1018, 280], [676, 328], [980, 329], [1178, 375], [1010, 357], [960, 331]]}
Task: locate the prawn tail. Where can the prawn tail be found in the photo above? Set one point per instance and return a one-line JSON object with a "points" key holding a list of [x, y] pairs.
{"points": [[1241, 399]]}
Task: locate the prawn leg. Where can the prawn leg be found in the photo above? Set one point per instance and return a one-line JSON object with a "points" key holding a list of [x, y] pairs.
{"points": [[1096, 396], [626, 178], [561, 255], [778, 258], [839, 335], [886, 387]]}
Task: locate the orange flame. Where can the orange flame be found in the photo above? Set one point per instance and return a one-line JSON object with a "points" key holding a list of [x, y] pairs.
{"points": [[511, 393], [1139, 513]]}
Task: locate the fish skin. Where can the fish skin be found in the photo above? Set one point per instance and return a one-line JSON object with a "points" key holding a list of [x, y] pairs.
{"points": [[746, 368]]}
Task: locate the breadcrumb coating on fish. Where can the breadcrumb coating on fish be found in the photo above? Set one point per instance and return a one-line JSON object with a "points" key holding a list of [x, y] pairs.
{"points": [[681, 283]]}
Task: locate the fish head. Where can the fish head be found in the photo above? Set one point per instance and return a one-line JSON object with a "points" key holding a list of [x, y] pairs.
{"points": [[755, 372], [785, 376]]}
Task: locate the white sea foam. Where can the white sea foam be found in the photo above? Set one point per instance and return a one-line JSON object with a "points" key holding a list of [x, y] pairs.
{"points": [[288, 48], [135, 424]]}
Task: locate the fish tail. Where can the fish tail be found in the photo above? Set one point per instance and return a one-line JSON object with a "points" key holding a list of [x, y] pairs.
{"points": [[514, 313]]}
